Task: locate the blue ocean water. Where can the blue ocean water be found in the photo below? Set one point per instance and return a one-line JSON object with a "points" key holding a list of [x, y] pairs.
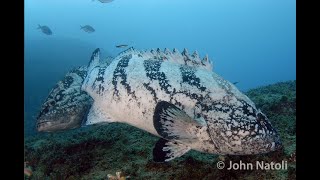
{"points": [[252, 42]]}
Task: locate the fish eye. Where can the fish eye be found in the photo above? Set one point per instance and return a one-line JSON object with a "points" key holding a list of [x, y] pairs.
{"points": [[57, 97], [52, 103]]}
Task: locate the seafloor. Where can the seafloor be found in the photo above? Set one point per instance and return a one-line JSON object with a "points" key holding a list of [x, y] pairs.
{"points": [[95, 151]]}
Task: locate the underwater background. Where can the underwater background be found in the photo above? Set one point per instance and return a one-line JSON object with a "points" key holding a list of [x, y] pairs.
{"points": [[250, 42]]}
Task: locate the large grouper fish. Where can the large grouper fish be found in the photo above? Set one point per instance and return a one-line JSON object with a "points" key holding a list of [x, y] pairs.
{"points": [[175, 96]]}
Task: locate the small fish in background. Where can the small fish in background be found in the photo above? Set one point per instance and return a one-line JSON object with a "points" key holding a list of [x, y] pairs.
{"points": [[235, 82], [105, 1], [121, 46], [88, 28], [45, 29]]}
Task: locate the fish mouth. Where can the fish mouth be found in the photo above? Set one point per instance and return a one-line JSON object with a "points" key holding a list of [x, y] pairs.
{"points": [[59, 123], [46, 126], [54, 126]]}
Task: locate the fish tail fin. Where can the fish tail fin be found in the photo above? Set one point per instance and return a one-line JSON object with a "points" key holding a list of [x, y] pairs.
{"points": [[81, 27], [39, 27]]}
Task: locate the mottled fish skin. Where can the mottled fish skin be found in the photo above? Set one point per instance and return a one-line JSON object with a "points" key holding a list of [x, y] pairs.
{"points": [[66, 106], [130, 89]]}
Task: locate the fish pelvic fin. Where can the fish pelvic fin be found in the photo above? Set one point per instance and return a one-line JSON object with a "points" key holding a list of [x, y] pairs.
{"points": [[95, 59], [165, 150], [96, 116], [172, 123], [92, 67]]}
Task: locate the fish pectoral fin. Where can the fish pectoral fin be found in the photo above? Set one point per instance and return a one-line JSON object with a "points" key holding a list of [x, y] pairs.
{"points": [[172, 123], [95, 59], [96, 116], [165, 150]]}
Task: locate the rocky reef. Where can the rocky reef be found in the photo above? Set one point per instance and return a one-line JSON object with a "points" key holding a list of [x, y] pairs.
{"points": [[94, 152]]}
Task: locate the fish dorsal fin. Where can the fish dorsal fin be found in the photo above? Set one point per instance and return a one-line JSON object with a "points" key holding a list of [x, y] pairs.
{"points": [[175, 56], [185, 52], [167, 51], [175, 51], [195, 55], [95, 59], [130, 50], [106, 61], [206, 62], [165, 150], [153, 52], [158, 51]]}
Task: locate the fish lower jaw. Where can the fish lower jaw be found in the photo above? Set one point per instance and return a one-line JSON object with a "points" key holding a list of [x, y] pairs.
{"points": [[53, 127]]}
